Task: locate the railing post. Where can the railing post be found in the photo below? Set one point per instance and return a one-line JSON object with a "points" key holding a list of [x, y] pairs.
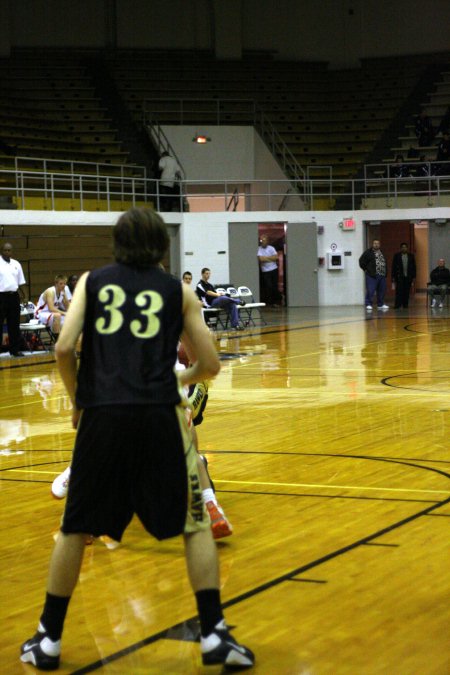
{"points": [[22, 190], [52, 191], [80, 182]]}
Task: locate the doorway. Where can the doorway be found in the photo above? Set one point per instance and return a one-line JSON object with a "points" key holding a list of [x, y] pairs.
{"points": [[391, 234], [297, 245]]}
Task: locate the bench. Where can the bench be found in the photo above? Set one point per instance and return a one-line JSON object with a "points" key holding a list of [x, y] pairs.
{"points": [[32, 334]]}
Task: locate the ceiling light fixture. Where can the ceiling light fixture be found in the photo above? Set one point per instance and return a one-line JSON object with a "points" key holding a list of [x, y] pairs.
{"points": [[201, 139]]}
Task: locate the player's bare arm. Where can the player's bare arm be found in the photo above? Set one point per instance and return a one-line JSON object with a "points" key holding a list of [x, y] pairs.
{"points": [[198, 342]]}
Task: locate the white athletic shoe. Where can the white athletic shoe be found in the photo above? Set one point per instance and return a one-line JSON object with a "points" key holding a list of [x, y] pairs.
{"points": [[60, 485], [441, 304], [433, 302], [369, 308], [384, 307], [109, 543]]}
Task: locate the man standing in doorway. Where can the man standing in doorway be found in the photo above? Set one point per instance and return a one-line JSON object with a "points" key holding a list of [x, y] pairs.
{"points": [[11, 281], [268, 263], [374, 265], [403, 274]]}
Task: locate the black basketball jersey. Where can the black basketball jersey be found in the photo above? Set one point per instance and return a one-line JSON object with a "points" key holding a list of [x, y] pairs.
{"points": [[132, 325]]}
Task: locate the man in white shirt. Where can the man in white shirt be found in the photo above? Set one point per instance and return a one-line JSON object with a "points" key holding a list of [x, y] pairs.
{"points": [[268, 259], [170, 173], [11, 281]]}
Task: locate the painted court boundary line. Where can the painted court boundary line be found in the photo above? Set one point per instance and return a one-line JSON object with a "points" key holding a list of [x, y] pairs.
{"points": [[263, 587]]}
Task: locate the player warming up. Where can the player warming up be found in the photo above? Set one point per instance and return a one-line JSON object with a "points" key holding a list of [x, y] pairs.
{"points": [[132, 316]]}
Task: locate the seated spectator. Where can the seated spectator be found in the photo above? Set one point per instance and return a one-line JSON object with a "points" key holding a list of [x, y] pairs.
{"points": [[211, 298], [443, 155], [400, 169], [440, 281], [71, 283], [53, 304], [187, 277], [424, 168], [424, 129]]}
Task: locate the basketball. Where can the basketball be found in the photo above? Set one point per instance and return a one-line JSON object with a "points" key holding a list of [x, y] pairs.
{"points": [[182, 355]]}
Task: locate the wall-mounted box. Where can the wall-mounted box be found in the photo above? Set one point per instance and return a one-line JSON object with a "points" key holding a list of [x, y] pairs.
{"points": [[335, 260]]}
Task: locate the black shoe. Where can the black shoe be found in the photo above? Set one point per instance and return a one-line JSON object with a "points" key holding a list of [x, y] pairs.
{"points": [[17, 353], [221, 647], [32, 651], [242, 302]]}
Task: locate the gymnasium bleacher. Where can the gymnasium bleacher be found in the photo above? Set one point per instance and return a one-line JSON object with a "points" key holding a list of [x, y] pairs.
{"points": [[325, 117], [331, 121]]}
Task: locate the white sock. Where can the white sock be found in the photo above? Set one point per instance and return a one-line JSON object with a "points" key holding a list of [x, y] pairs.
{"points": [[50, 648], [209, 496]]}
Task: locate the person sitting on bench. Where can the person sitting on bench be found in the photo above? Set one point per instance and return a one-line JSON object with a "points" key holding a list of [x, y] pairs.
{"points": [[210, 298], [53, 304]]}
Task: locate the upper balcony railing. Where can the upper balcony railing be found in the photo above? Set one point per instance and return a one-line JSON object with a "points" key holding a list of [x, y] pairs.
{"points": [[96, 191]]}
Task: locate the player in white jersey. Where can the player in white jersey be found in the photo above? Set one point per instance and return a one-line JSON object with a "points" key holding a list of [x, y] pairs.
{"points": [[53, 304]]}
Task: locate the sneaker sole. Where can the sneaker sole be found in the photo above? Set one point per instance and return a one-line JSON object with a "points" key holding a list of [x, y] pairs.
{"points": [[28, 657]]}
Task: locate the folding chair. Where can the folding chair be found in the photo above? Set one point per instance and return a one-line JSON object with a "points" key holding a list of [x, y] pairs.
{"points": [[232, 292], [245, 294]]}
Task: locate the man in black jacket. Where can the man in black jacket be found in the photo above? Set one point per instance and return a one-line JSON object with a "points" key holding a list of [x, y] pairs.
{"points": [[440, 281], [403, 274], [374, 265], [209, 297]]}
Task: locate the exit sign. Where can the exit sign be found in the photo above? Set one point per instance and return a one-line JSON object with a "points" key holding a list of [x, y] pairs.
{"points": [[348, 224]]}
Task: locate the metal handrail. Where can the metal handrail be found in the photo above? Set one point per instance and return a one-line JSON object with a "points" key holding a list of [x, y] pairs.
{"points": [[257, 194], [161, 142], [74, 164], [218, 109], [234, 200]]}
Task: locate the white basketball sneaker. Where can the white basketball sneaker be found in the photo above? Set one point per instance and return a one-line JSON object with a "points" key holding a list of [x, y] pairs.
{"points": [[60, 485]]}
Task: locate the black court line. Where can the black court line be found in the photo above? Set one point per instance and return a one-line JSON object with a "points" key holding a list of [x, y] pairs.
{"points": [[289, 329], [321, 454], [433, 376], [29, 365], [377, 543], [269, 585], [441, 515], [310, 581], [320, 496]]}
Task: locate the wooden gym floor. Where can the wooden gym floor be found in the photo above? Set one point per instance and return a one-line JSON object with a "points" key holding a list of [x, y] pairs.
{"points": [[327, 435]]}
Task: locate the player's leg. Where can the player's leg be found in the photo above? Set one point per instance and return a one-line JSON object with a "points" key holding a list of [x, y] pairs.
{"points": [[43, 649], [217, 645], [220, 525]]}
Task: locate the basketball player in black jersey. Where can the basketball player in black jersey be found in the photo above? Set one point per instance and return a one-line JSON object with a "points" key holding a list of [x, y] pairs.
{"points": [[133, 451]]}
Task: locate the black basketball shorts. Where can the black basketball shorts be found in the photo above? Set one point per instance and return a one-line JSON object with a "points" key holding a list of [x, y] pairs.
{"points": [[134, 460]]}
